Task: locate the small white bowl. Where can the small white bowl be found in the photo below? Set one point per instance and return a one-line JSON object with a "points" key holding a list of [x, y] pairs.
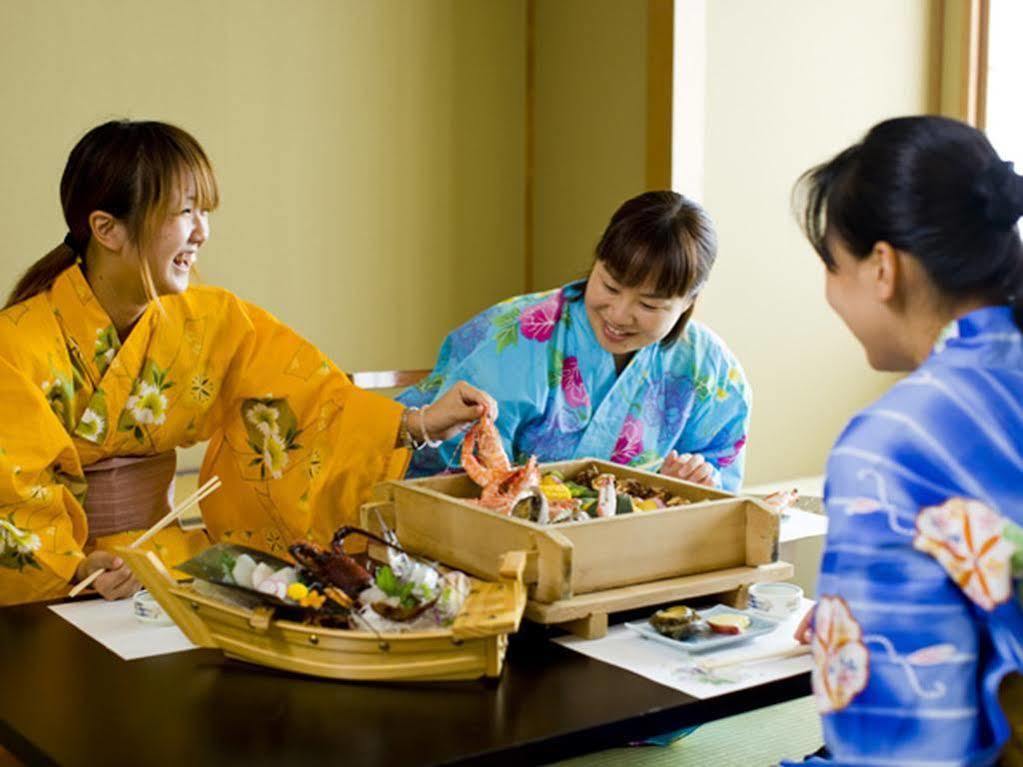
{"points": [[148, 610], [778, 600]]}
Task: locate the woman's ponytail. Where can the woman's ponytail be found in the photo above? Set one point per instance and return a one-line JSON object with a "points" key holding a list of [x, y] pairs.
{"points": [[40, 276]]}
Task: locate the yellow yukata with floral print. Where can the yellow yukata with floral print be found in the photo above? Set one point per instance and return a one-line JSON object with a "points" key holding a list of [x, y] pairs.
{"points": [[297, 446]]}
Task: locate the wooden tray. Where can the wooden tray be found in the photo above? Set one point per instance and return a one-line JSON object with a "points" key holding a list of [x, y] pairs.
{"points": [[578, 572], [474, 646]]}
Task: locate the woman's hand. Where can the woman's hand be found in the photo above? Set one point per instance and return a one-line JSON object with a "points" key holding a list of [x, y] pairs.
{"points": [[456, 409], [690, 467], [782, 499], [804, 631], [116, 583]]}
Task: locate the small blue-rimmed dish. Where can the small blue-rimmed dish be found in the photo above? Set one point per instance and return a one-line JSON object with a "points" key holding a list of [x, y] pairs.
{"points": [[148, 610], [777, 600]]}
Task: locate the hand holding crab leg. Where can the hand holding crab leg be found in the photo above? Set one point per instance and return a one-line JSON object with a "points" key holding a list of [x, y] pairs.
{"points": [[486, 463], [782, 499], [456, 409]]}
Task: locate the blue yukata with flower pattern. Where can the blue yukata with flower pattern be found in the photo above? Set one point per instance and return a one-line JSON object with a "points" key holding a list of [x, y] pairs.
{"points": [[559, 396], [919, 616]]}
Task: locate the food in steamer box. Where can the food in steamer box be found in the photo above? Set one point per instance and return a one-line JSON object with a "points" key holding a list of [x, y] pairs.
{"points": [[549, 498]]}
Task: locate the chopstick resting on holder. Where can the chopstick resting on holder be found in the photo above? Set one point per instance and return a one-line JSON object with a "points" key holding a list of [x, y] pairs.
{"points": [[788, 652], [211, 485]]}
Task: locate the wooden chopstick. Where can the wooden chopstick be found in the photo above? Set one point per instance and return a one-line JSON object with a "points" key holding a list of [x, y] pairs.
{"points": [[788, 652], [210, 486]]}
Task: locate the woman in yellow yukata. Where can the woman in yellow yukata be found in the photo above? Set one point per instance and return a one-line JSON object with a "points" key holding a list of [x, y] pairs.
{"points": [[109, 361]]}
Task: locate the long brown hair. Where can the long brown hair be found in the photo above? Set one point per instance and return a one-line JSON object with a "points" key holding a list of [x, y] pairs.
{"points": [[129, 169]]}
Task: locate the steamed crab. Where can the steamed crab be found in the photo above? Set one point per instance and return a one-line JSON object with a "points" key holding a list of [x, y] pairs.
{"points": [[486, 463]]}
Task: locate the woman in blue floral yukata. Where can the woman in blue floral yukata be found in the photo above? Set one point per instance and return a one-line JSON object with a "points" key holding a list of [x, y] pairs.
{"points": [[611, 366], [917, 636]]}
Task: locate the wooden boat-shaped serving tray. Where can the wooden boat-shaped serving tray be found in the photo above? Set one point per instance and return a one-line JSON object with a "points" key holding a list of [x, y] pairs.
{"points": [[472, 647]]}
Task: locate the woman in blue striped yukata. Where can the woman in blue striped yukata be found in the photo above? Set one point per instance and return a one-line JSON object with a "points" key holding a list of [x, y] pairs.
{"points": [[917, 637]]}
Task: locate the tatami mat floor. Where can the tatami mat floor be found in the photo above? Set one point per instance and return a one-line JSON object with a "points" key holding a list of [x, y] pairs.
{"points": [[758, 738]]}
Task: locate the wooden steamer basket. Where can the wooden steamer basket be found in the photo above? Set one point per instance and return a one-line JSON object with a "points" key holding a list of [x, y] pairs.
{"points": [[474, 646], [579, 572]]}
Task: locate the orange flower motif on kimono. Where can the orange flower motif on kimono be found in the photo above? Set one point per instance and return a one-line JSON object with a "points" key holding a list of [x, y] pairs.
{"points": [[967, 538], [841, 661]]}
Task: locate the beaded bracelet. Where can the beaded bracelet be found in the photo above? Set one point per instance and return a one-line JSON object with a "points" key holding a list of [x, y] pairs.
{"points": [[427, 442]]}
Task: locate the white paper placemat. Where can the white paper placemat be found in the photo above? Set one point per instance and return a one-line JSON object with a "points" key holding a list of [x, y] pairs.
{"points": [[797, 524], [113, 625], [626, 649]]}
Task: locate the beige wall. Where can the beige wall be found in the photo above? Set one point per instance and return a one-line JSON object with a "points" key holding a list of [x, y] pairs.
{"points": [[370, 154], [789, 85], [786, 85], [590, 127]]}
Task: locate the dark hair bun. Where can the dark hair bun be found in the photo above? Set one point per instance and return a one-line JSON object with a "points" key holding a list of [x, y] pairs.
{"points": [[931, 187], [1001, 191]]}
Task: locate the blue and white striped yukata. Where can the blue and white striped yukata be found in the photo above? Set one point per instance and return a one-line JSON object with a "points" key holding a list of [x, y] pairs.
{"points": [[920, 616]]}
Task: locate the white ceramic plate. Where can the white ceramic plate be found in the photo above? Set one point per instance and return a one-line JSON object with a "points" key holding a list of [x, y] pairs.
{"points": [[759, 625]]}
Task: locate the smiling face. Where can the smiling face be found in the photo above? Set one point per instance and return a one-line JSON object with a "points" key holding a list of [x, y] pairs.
{"points": [[176, 243], [862, 292], [625, 319]]}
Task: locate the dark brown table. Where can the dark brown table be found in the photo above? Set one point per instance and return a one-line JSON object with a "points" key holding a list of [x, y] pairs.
{"points": [[67, 700]]}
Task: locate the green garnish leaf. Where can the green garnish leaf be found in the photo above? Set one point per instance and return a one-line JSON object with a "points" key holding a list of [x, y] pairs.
{"points": [[387, 582]]}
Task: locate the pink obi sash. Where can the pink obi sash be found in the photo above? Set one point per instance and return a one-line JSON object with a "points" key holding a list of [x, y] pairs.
{"points": [[129, 492]]}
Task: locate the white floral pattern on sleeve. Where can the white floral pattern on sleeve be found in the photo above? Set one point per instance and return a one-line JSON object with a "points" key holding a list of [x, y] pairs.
{"points": [[17, 546]]}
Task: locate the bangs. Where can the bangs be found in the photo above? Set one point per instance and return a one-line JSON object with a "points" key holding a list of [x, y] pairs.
{"points": [[186, 164], [817, 192], [196, 164], [667, 255], [663, 273], [167, 162], [810, 207]]}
